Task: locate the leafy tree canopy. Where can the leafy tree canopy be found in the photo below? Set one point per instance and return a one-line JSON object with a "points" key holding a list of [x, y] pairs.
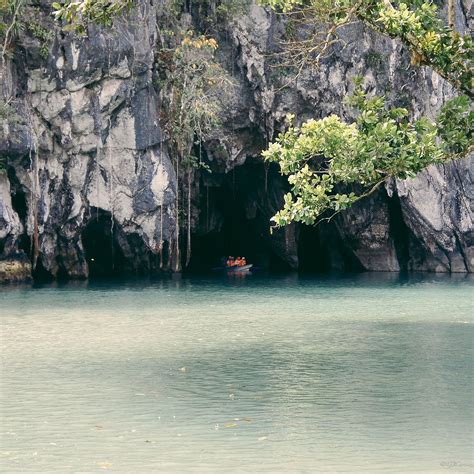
{"points": [[323, 158], [331, 164]]}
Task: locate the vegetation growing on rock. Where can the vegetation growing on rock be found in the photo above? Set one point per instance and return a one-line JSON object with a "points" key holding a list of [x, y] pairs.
{"points": [[157, 98], [331, 164], [79, 14], [192, 86], [323, 158]]}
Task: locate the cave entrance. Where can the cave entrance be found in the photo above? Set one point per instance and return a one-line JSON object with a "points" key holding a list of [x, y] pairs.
{"points": [[313, 254], [237, 235], [103, 254], [321, 250], [20, 206], [235, 220]]}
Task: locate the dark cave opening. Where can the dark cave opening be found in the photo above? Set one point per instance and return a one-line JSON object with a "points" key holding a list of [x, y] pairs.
{"points": [[235, 221], [40, 273], [321, 250], [398, 231], [238, 236], [313, 255], [20, 206], [103, 254]]}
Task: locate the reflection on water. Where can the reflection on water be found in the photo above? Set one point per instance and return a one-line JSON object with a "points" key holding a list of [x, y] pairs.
{"points": [[367, 373]]}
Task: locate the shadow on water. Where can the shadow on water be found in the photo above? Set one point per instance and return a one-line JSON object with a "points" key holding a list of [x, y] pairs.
{"points": [[262, 279]]}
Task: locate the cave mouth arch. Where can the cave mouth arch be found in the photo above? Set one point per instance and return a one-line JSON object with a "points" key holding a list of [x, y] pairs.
{"points": [[236, 208], [238, 235], [322, 250], [103, 254], [234, 212]]}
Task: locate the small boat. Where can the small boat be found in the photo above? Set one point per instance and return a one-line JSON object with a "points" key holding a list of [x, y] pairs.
{"points": [[234, 268], [239, 268]]}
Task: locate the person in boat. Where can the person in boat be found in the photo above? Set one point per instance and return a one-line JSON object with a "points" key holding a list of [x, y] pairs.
{"points": [[244, 261], [238, 262], [230, 262]]}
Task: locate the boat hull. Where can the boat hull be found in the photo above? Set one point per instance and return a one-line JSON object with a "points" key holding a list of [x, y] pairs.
{"points": [[235, 269], [239, 269]]}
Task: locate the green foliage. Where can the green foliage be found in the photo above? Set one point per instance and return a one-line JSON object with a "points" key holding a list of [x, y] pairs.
{"points": [[432, 43], [44, 36], [192, 84], [331, 164], [11, 24], [17, 16], [455, 126], [324, 158], [415, 22], [78, 14]]}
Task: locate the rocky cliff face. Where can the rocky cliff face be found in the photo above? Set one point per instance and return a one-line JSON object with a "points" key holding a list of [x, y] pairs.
{"points": [[91, 185]]}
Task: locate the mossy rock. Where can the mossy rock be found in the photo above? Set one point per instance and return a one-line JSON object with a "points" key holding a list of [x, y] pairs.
{"points": [[13, 270]]}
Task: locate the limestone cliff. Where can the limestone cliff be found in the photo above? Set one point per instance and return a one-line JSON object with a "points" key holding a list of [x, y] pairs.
{"points": [[91, 181]]}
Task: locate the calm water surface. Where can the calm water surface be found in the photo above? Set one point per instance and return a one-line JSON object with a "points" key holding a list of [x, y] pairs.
{"points": [[286, 374]]}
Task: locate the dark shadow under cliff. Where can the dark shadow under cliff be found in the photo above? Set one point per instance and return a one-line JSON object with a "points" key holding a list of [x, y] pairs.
{"points": [[234, 211], [103, 254], [109, 251]]}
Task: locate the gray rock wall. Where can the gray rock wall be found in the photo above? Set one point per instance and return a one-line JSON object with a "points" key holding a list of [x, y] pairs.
{"points": [[93, 141], [435, 207], [89, 143]]}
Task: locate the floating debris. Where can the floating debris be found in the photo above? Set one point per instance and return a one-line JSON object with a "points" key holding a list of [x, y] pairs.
{"points": [[182, 369]]}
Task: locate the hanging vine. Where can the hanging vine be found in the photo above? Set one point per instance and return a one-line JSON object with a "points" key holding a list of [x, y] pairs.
{"points": [[192, 84]]}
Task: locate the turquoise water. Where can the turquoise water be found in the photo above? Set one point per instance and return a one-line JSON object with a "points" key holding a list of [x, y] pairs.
{"points": [[369, 373]]}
